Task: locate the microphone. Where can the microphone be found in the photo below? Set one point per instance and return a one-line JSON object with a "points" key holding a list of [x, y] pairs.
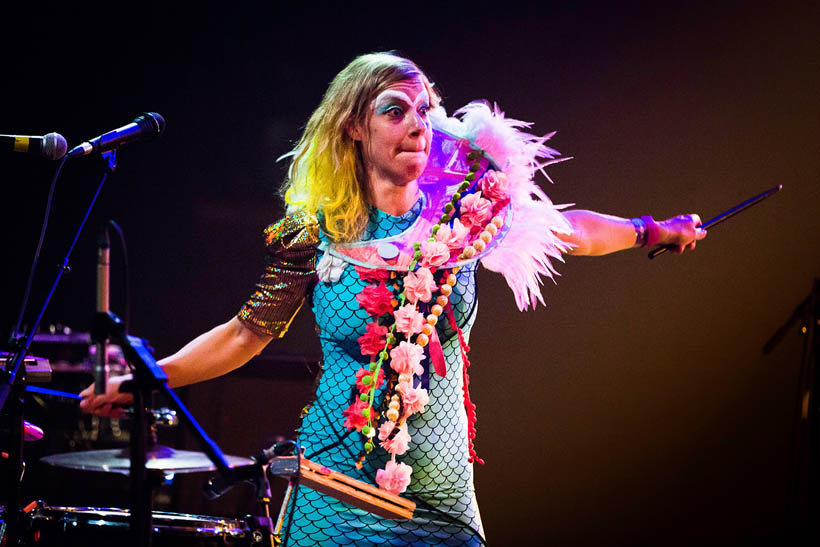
{"points": [[145, 127], [101, 357], [51, 146]]}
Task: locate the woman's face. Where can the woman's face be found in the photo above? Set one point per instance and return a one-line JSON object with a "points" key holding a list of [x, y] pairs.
{"points": [[396, 142]]}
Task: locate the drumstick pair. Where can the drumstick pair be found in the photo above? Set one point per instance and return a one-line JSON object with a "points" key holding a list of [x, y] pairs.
{"points": [[726, 215]]}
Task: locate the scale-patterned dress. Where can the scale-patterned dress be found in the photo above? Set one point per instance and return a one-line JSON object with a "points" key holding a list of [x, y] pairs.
{"points": [[442, 480]]}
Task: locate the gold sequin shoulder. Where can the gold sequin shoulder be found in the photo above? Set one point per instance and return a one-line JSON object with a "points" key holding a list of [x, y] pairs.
{"points": [[290, 272]]}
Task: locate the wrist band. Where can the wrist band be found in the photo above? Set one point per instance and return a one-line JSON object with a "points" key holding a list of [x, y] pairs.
{"points": [[653, 232], [640, 232]]}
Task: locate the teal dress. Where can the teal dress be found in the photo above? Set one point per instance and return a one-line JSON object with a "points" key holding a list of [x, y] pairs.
{"points": [[442, 481]]}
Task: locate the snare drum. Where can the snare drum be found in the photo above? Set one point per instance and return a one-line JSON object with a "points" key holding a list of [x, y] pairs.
{"points": [[90, 526]]}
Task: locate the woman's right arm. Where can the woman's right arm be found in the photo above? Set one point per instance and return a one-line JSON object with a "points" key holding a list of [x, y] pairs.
{"points": [[214, 353]]}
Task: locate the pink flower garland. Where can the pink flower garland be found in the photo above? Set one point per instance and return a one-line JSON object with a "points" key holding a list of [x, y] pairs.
{"points": [[467, 235]]}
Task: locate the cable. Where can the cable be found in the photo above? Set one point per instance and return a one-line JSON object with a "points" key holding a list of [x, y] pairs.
{"points": [[16, 331], [125, 275]]}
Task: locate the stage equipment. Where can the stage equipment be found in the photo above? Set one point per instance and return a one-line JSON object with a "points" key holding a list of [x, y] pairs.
{"points": [[803, 494], [51, 146], [145, 127], [84, 526], [726, 215]]}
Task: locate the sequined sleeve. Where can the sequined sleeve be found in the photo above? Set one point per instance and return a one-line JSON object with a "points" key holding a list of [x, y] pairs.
{"points": [[290, 272]]}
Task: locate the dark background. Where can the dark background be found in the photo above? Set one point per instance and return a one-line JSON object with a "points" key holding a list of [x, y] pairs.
{"points": [[637, 407]]}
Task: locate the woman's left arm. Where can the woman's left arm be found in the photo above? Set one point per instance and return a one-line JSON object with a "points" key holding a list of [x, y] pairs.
{"points": [[596, 234]]}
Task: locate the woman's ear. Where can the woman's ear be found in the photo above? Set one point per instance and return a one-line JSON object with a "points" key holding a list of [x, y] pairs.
{"points": [[353, 130]]}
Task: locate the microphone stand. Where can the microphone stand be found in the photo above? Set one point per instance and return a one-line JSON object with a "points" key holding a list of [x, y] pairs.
{"points": [[149, 377], [13, 382]]}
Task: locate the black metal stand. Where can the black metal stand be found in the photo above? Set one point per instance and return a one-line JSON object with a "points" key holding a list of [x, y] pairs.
{"points": [[13, 382], [803, 498]]}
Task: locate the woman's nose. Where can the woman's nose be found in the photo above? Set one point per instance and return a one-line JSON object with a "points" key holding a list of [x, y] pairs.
{"points": [[418, 125]]}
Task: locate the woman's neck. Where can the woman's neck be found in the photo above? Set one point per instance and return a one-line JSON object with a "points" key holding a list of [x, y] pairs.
{"points": [[393, 199]]}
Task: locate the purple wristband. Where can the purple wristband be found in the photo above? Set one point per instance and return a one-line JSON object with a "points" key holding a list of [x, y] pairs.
{"points": [[653, 231]]}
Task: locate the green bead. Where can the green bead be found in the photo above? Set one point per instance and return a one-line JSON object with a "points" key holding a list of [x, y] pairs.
{"points": [[475, 166], [391, 340], [417, 245], [363, 397], [449, 207], [366, 381], [436, 228], [373, 366], [464, 186], [368, 446], [470, 176], [366, 412], [445, 218], [417, 255], [456, 197], [366, 430], [384, 356]]}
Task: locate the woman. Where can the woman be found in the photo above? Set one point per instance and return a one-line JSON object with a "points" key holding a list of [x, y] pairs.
{"points": [[392, 406]]}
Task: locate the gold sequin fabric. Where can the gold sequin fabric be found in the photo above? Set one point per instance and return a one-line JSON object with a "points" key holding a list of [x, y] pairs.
{"points": [[290, 272]]}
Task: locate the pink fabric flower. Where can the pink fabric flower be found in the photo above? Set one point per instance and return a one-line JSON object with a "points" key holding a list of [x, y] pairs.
{"points": [[399, 443], [476, 211], [394, 478], [406, 358], [364, 388], [454, 237], [495, 186], [373, 340], [375, 299], [372, 275], [434, 254], [413, 399], [409, 321], [419, 285], [353, 415]]}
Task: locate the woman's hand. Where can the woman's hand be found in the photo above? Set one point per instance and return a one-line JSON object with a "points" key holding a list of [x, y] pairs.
{"points": [[109, 404], [683, 232]]}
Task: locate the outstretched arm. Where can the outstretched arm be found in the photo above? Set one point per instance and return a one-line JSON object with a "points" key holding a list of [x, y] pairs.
{"points": [[598, 234], [214, 353]]}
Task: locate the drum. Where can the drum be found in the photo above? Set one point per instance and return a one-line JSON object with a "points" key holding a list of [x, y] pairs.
{"points": [[91, 526]]}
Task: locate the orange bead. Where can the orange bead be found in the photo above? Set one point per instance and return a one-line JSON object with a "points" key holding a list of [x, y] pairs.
{"points": [[498, 221], [422, 340], [492, 228], [451, 280], [479, 245], [432, 320], [442, 300], [446, 289], [486, 236], [469, 252], [427, 330], [393, 415], [436, 309]]}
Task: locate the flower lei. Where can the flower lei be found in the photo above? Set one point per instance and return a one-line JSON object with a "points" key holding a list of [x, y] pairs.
{"points": [[397, 337]]}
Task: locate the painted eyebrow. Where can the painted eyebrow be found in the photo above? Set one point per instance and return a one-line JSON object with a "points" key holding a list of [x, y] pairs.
{"points": [[392, 94]]}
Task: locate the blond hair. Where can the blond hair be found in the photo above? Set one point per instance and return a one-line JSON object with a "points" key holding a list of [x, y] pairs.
{"points": [[326, 173]]}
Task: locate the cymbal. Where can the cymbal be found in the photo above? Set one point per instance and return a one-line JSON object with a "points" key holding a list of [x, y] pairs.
{"points": [[159, 458]]}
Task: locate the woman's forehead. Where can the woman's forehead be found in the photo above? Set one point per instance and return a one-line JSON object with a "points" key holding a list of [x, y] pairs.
{"points": [[409, 91]]}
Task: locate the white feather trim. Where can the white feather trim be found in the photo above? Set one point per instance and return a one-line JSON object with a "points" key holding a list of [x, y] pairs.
{"points": [[531, 241]]}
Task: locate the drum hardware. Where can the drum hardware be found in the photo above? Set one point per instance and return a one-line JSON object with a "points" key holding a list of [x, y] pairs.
{"points": [[159, 459], [83, 526]]}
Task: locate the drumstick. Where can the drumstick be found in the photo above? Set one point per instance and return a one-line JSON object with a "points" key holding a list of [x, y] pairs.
{"points": [[54, 392], [726, 215]]}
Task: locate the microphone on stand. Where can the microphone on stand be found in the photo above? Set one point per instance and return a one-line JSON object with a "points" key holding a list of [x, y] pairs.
{"points": [[51, 146], [145, 127], [103, 291]]}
